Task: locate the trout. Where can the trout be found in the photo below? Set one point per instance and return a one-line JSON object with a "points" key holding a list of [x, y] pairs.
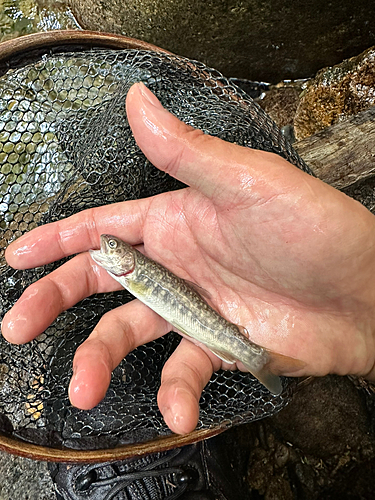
{"points": [[181, 303]]}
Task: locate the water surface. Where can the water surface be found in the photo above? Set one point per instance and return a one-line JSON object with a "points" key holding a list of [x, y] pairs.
{"points": [[21, 17]]}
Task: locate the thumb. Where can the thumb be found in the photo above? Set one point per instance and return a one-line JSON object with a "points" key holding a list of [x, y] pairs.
{"points": [[216, 168]]}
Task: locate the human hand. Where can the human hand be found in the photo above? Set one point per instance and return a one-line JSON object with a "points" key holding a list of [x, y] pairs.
{"points": [[281, 253]]}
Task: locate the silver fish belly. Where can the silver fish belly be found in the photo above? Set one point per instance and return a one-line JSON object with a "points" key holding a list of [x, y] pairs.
{"points": [[178, 302]]}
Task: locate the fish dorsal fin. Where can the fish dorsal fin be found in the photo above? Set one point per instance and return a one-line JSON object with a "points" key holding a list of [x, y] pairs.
{"points": [[200, 291]]}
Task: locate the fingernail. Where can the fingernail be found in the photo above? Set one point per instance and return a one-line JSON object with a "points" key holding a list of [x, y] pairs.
{"points": [[8, 326], [76, 384], [148, 96], [165, 411], [174, 418]]}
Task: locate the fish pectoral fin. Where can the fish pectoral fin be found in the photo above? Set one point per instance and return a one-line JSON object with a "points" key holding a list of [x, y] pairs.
{"points": [[223, 355], [243, 330]]}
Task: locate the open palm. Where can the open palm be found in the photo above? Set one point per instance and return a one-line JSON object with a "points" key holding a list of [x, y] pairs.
{"points": [[280, 252]]}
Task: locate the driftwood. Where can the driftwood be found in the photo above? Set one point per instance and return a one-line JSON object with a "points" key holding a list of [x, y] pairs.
{"points": [[342, 154]]}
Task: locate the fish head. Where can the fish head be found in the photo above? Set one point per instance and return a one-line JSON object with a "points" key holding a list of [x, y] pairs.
{"points": [[115, 256]]}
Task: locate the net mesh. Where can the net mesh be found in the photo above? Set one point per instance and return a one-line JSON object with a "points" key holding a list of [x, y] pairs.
{"points": [[66, 145]]}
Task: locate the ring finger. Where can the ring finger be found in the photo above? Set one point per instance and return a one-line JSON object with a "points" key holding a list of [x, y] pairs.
{"points": [[118, 332]]}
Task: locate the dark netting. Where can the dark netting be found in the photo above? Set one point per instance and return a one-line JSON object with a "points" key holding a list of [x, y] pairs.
{"points": [[65, 146]]}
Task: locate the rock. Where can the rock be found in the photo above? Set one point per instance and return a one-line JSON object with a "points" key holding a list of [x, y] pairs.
{"points": [[281, 103], [265, 476], [24, 479], [326, 418], [306, 480], [321, 446], [278, 488], [21, 17], [265, 40], [335, 93]]}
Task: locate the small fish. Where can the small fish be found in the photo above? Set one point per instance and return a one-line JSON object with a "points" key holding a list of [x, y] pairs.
{"points": [[180, 302]]}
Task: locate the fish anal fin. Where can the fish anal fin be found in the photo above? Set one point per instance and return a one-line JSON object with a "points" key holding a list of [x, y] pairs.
{"points": [[220, 354], [276, 364], [271, 381], [223, 355]]}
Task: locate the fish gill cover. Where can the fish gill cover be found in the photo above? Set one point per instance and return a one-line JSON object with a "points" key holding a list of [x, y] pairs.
{"points": [[66, 145]]}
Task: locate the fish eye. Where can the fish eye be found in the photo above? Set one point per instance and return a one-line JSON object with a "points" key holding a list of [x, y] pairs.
{"points": [[112, 244]]}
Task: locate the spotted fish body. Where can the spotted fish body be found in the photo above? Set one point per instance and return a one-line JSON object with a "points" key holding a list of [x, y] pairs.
{"points": [[178, 302]]}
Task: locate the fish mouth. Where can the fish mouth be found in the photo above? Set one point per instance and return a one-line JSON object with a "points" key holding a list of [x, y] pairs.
{"points": [[97, 256], [101, 256]]}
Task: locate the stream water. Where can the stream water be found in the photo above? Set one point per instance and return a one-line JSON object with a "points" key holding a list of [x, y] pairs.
{"points": [[21, 17]]}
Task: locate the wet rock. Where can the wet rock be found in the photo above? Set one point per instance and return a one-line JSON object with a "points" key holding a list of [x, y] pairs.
{"points": [[21, 17], [266, 40], [326, 418], [281, 102], [336, 93], [322, 446]]}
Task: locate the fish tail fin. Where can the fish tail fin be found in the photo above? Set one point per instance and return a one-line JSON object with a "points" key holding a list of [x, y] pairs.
{"points": [[276, 364]]}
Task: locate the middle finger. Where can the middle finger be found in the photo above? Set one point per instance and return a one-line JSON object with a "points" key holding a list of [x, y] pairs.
{"points": [[118, 332]]}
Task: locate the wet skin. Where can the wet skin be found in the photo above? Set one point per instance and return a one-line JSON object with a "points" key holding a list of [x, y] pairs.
{"points": [[280, 252]]}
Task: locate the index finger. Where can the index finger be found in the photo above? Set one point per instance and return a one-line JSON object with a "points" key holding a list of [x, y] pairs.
{"points": [[78, 233]]}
